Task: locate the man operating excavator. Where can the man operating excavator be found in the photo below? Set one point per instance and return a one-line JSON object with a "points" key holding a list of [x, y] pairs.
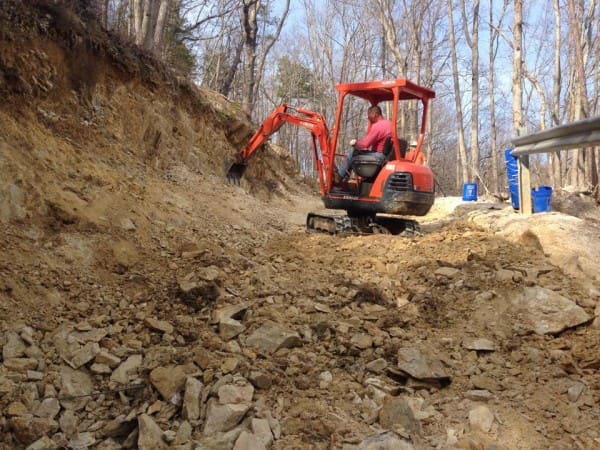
{"points": [[387, 182], [378, 131]]}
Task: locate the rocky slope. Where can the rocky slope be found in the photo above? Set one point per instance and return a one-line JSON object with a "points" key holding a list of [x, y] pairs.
{"points": [[147, 304]]}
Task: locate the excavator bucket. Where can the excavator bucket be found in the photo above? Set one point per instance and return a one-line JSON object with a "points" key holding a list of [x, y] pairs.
{"points": [[236, 172]]}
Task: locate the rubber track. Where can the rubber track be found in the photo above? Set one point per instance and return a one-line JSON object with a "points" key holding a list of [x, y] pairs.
{"points": [[320, 223], [330, 224]]}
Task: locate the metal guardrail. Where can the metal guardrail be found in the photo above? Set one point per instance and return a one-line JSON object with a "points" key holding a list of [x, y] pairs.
{"points": [[583, 133]]}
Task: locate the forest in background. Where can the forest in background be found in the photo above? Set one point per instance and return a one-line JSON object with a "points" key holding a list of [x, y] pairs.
{"points": [[500, 69]]}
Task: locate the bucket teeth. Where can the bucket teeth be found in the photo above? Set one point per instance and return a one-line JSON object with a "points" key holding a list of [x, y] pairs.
{"points": [[235, 172]]}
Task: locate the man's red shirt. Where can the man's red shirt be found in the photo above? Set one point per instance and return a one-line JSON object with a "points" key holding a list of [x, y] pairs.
{"points": [[376, 136]]}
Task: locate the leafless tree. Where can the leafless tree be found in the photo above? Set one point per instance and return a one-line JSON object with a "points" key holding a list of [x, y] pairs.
{"points": [[433, 60], [254, 62], [472, 39], [385, 9], [462, 163], [492, 51], [580, 170], [517, 70], [250, 32], [555, 158]]}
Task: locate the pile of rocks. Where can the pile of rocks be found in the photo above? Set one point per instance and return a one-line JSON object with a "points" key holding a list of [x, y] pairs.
{"points": [[74, 387], [95, 384]]}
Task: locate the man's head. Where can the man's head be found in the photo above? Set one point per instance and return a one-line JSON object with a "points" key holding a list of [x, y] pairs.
{"points": [[374, 114]]}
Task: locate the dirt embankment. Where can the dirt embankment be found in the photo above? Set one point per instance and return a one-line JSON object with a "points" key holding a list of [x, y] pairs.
{"points": [[147, 304]]}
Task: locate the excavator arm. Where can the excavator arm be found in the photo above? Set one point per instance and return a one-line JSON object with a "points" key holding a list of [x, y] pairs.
{"points": [[312, 121]]}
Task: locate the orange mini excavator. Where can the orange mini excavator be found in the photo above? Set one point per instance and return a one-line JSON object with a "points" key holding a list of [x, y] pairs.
{"points": [[387, 185]]}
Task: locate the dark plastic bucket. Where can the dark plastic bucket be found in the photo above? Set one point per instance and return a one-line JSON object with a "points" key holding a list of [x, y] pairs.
{"points": [[469, 192], [542, 199]]}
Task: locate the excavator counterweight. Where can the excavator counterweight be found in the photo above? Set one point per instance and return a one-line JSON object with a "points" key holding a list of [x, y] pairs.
{"points": [[397, 185]]}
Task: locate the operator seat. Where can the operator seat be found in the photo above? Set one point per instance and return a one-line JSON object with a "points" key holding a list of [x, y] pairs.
{"points": [[368, 164], [388, 148]]}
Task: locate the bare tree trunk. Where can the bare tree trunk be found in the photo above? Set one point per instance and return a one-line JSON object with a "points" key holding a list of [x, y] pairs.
{"points": [[385, 9], [429, 83], [386, 18], [543, 103], [104, 19], [138, 10], [225, 88], [517, 72], [131, 21], [493, 150], [269, 45], [384, 70], [472, 39], [159, 31], [435, 21], [149, 23], [581, 107], [122, 20], [585, 50], [555, 158], [575, 21], [596, 151], [416, 16], [254, 62], [462, 156], [250, 29]]}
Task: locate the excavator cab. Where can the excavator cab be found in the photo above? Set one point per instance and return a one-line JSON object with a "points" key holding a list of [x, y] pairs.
{"points": [[395, 182]]}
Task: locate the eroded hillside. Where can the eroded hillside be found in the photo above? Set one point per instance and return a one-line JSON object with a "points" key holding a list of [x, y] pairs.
{"points": [[147, 304]]}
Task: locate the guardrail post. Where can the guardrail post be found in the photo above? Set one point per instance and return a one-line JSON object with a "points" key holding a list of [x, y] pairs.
{"points": [[525, 206]]}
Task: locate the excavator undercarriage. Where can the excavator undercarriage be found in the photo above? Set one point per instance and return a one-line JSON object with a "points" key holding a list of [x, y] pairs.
{"points": [[359, 225]]}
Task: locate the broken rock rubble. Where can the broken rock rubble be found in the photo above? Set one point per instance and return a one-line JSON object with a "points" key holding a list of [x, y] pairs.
{"points": [[335, 362], [71, 400]]}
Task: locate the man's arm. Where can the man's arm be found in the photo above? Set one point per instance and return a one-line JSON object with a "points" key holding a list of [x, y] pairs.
{"points": [[369, 140], [378, 132]]}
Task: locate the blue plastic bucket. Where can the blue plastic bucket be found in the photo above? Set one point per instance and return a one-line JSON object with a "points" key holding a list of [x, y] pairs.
{"points": [[514, 195], [512, 168], [507, 155], [512, 175], [469, 192], [542, 199]]}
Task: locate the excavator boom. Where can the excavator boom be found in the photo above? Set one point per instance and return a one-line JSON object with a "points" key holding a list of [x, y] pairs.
{"points": [[312, 121]]}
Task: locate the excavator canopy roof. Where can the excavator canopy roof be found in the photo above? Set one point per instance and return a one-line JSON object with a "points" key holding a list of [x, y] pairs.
{"points": [[383, 91]]}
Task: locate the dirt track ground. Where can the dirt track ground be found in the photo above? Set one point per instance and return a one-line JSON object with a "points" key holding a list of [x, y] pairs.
{"points": [[351, 301]]}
